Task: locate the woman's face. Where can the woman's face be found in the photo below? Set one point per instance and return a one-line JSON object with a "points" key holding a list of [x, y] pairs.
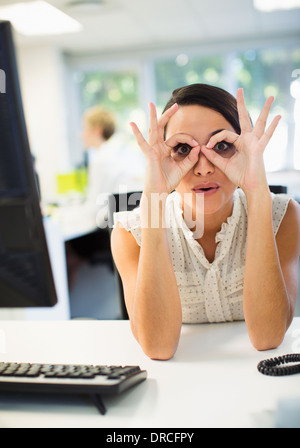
{"points": [[204, 178], [91, 135]]}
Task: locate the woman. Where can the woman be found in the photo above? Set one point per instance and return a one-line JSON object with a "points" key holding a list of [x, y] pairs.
{"points": [[244, 265]]}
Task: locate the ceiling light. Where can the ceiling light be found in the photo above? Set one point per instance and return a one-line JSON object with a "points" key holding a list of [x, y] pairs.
{"points": [[273, 5], [38, 18]]}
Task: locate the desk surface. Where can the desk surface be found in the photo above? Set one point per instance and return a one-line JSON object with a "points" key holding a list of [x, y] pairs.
{"points": [[212, 381], [75, 220]]}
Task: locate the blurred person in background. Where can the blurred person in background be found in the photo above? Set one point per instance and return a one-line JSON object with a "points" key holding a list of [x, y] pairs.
{"points": [[110, 169], [110, 166]]}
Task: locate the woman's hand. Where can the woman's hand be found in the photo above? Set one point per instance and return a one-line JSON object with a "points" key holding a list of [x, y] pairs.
{"points": [[245, 168], [163, 171]]}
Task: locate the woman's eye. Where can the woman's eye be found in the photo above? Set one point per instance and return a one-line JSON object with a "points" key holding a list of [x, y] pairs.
{"points": [[221, 146], [183, 149], [224, 149]]}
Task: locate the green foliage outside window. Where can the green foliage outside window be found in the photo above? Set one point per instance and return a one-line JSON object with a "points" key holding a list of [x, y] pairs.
{"points": [[115, 91], [261, 72]]}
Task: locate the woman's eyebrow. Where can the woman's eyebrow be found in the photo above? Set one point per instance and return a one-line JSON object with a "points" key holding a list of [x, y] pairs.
{"points": [[211, 134], [214, 133]]}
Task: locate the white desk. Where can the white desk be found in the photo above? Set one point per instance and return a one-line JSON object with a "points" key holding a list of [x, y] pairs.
{"points": [[74, 221], [212, 381]]}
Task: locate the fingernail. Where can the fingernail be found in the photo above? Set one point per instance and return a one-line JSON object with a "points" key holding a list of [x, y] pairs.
{"points": [[194, 142], [209, 145]]}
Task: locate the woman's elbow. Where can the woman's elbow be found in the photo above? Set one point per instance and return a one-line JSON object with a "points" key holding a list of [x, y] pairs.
{"points": [[157, 350], [158, 354], [266, 343], [160, 348]]}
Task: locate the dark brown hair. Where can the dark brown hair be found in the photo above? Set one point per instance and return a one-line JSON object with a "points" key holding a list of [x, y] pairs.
{"points": [[207, 96]]}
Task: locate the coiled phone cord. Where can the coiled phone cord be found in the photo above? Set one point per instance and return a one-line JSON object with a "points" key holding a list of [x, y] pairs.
{"points": [[272, 366]]}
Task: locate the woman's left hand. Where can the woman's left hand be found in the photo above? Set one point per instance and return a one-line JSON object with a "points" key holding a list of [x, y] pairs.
{"points": [[245, 168]]}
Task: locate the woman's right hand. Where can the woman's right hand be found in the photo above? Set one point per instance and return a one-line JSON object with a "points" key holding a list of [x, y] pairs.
{"points": [[164, 170]]}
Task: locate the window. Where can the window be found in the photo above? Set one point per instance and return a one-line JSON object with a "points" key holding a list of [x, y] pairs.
{"points": [[261, 72], [266, 73], [182, 70], [116, 91]]}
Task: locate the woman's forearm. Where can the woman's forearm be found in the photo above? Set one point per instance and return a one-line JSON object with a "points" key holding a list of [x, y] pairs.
{"points": [[267, 307], [156, 314]]}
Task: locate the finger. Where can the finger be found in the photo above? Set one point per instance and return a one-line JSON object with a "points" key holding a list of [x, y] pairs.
{"points": [[140, 139], [244, 118], [156, 126], [181, 138], [214, 158], [260, 124], [270, 131], [153, 127], [163, 120], [229, 136]]}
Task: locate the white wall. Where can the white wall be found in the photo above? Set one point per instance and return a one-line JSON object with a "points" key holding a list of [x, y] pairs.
{"points": [[41, 73]]}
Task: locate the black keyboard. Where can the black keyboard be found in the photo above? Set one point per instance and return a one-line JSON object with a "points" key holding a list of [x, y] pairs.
{"points": [[94, 380]]}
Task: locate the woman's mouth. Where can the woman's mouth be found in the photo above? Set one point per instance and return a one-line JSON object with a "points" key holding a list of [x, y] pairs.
{"points": [[206, 188]]}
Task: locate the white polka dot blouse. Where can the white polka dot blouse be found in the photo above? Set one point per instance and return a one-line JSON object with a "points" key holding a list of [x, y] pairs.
{"points": [[209, 292]]}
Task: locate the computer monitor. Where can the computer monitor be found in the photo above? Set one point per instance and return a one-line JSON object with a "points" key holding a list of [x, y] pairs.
{"points": [[26, 278]]}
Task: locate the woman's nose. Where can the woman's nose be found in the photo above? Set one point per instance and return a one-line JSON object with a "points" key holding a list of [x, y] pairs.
{"points": [[203, 167]]}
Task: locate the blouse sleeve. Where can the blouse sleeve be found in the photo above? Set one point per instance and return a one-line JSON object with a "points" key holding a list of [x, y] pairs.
{"points": [[131, 221], [279, 206]]}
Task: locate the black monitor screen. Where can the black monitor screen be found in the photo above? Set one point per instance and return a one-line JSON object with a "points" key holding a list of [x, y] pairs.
{"points": [[25, 272]]}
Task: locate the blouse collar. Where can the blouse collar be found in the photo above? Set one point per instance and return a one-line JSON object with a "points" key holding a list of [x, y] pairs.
{"points": [[223, 237]]}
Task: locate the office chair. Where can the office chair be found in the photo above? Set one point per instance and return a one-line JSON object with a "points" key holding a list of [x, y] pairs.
{"points": [[120, 202], [278, 189]]}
